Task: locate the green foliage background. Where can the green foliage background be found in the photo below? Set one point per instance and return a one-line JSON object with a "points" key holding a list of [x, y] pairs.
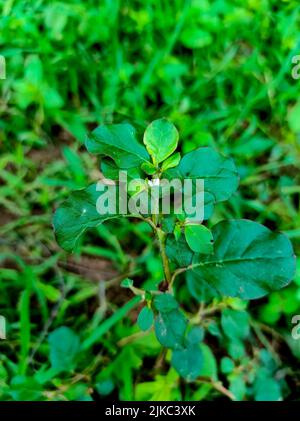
{"points": [[221, 72]]}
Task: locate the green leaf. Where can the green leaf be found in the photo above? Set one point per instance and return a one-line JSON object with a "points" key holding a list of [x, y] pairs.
{"points": [[77, 214], [237, 387], [168, 223], [122, 368], [188, 361], [177, 232], [201, 291], [127, 283], [138, 187], [267, 389], [24, 388], [171, 162], [235, 324], [64, 347], [145, 318], [227, 365], [75, 164], [218, 172], [161, 139], [105, 387], [193, 37], [162, 388], [165, 303], [111, 171], [248, 261], [199, 238], [119, 142], [294, 118], [195, 335], [170, 328], [236, 349], [253, 147], [148, 168], [78, 392], [209, 368], [179, 251], [214, 330]]}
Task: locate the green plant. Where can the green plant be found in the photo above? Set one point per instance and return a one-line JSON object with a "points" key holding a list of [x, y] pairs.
{"points": [[234, 258]]}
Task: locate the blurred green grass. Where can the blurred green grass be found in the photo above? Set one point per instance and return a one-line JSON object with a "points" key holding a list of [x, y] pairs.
{"points": [[221, 71]]}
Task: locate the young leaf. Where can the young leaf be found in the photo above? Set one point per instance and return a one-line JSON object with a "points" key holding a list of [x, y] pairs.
{"points": [[127, 283], [137, 187], [171, 162], [119, 142], [148, 168], [177, 232], [161, 139], [235, 324], [248, 261], [199, 238], [76, 215], [145, 318], [170, 329]]}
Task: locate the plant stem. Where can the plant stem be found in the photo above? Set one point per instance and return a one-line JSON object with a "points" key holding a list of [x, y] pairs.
{"points": [[216, 385], [161, 236], [165, 261], [175, 274]]}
